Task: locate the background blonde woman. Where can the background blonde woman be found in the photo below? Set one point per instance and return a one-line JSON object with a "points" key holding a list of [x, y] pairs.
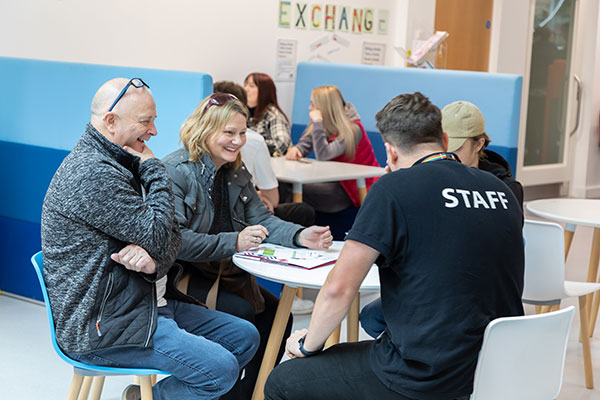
{"points": [[220, 213], [334, 133]]}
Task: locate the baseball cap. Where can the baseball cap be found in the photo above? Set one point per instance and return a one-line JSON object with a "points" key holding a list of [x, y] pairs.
{"points": [[461, 120]]}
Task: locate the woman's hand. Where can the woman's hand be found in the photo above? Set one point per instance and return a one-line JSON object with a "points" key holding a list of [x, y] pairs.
{"points": [[316, 237], [250, 237], [315, 116], [293, 153]]}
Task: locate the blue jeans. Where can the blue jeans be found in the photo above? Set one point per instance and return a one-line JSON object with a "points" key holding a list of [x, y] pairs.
{"points": [[371, 319], [203, 350]]}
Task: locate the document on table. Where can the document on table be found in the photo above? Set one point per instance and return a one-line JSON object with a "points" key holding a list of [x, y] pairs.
{"points": [[301, 258]]}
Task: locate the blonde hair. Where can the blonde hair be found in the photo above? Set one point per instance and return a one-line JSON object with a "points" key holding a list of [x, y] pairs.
{"points": [[328, 99], [207, 121]]}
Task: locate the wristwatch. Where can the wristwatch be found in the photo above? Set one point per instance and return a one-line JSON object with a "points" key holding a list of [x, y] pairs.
{"points": [[306, 352]]}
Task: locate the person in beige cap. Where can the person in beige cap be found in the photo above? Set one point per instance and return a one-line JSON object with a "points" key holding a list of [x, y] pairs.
{"points": [[465, 126]]}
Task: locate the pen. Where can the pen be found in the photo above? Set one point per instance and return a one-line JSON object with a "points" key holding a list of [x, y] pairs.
{"points": [[304, 160], [239, 221], [243, 223]]}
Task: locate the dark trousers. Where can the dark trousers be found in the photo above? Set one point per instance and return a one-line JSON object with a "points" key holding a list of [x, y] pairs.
{"points": [[341, 372], [235, 305]]}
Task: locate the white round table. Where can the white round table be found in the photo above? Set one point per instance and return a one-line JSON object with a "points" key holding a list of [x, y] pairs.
{"points": [[292, 278], [575, 212]]}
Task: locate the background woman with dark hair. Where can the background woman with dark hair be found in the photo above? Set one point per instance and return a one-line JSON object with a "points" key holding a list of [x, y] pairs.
{"points": [[266, 117]]}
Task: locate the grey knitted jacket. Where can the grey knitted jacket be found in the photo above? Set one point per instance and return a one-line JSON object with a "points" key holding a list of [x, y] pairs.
{"points": [[94, 207]]}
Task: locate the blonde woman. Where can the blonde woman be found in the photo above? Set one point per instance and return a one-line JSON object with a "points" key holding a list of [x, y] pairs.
{"points": [[220, 213], [334, 133]]}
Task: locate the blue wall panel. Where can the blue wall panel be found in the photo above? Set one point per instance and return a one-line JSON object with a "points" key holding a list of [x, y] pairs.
{"points": [[370, 88], [44, 107]]}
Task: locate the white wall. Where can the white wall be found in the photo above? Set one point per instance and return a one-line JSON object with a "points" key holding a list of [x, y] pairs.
{"points": [[227, 39]]}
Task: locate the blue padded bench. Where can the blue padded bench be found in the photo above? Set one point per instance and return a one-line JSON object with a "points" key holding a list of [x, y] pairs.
{"points": [[369, 88], [43, 111]]}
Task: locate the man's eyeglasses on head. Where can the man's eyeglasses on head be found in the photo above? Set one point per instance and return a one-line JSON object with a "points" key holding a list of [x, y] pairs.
{"points": [[135, 82], [218, 99]]}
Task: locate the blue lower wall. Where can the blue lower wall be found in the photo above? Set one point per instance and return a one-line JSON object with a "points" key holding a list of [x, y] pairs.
{"points": [[25, 173]]}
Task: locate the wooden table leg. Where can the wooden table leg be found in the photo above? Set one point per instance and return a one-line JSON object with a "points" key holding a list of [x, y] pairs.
{"points": [[353, 319], [362, 189], [585, 343], [569, 232], [592, 274], [279, 323], [334, 338], [297, 192]]}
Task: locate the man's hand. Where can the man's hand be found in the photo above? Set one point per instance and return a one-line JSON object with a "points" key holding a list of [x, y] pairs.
{"points": [[293, 153], [292, 347], [135, 258], [146, 153], [250, 237], [316, 237]]}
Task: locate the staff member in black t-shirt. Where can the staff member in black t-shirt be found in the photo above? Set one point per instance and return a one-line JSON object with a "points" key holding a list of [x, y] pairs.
{"points": [[448, 243]]}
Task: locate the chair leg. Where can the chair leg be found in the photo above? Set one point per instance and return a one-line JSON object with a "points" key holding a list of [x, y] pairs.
{"points": [[585, 343], [146, 386], [334, 338], [538, 309], [97, 387], [153, 379], [85, 387], [75, 387]]}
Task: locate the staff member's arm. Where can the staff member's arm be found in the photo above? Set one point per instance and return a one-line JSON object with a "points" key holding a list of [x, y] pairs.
{"points": [[335, 298]]}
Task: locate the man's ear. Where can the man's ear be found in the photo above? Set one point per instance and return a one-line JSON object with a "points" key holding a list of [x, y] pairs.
{"points": [[110, 120], [391, 153], [445, 141]]}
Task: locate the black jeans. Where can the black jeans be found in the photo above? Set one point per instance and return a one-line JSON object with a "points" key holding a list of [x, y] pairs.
{"points": [[235, 305], [340, 372]]}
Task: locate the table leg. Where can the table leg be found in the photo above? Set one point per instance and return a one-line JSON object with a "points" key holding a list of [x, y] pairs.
{"points": [[362, 189], [592, 274], [353, 319], [334, 338], [569, 232], [279, 323], [297, 192]]}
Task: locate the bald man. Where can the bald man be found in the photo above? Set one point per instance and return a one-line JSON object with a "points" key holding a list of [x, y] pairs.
{"points": [[110, 238]]}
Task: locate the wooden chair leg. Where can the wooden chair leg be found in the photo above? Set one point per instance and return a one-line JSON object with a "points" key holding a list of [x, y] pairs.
{"points": [[85, 387], [538, 309], [75, 387], [97, 387], [585, 343], [153, 379], [146, 386]]}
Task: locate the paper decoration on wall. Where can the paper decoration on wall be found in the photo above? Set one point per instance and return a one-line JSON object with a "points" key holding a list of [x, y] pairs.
{"points": [[382, 22], [373, 53], [327, 45], [332, 17], [284, 14], [285, 70], [418, 56]]}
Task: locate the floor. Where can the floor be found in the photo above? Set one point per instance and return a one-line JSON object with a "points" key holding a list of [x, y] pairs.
{"points": [[31, 369]]}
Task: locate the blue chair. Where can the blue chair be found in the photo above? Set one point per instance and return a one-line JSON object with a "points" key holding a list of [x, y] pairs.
{"points": [[83, 374]]}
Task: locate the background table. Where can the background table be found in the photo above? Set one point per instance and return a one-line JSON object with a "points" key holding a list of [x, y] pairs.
{"points": [[575, 212], [314, 171], [292, 278]]}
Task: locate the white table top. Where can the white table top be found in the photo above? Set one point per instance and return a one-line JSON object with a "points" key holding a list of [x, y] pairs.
{"points": [[299, 277], [571, 211], [314, 171]]}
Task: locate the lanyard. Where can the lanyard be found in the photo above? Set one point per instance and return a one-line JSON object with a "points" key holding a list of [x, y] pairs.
{"points": [[437, 156]]}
